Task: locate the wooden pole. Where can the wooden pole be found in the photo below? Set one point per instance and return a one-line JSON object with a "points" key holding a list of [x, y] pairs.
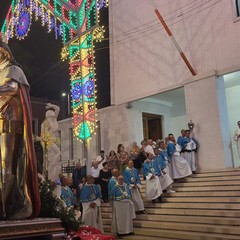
{"points": [[174, 40]]}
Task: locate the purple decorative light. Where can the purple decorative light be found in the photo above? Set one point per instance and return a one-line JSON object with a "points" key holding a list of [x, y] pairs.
{"points": [[88, 88], [23, 24], [77, 92]]}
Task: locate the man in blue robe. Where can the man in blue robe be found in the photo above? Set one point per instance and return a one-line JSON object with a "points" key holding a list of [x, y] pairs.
{"points": [[91, 199], [153, 188], [189, 149], [66, 193], [113, 180], [161, 165], [180, 166], [123, 208], [132, 179], [181, 137]]}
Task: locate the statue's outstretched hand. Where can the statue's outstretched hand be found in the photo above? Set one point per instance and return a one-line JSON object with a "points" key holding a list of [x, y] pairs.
{"points": [[48, 105]]}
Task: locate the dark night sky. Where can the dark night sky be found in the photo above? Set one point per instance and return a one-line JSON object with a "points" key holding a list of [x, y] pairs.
{"points": [[39, 55]]}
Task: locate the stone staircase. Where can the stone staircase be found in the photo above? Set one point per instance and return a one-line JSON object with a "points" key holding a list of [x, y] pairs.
{"points": [[206, 206]]}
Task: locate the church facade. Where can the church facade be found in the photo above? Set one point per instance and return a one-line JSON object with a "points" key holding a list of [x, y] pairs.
{"points": [[153, 90]]}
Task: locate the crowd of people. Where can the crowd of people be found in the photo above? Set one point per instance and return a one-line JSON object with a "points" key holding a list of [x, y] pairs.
{"points": [[116, 179]]}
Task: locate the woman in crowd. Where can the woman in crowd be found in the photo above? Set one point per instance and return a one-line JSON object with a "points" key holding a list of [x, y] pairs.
{"points": [[105, 175], [137, 161], [113, 161], [123, 157]]}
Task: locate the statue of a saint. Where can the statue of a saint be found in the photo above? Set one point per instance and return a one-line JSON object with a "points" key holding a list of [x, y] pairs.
{"points": [[18, 171], [50, 142]]}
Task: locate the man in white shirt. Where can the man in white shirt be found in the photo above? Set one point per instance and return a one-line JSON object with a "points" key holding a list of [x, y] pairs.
{"points": [[149, 147], [101, 159], [95, 172]]}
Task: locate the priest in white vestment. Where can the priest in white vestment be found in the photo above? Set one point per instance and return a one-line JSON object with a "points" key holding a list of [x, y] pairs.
{"points": [[123, 208], [237, 138], [91, 199]]}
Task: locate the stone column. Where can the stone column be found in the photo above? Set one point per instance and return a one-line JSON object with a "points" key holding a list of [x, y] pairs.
{"points": [[206, 107]]}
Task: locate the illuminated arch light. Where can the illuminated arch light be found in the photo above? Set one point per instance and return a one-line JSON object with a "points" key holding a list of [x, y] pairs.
{"points": [[23, 24], [68, 19], [102, 3]]}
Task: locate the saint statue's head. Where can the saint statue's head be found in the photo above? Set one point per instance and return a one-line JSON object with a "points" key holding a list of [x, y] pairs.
{"points": [[5, 52], [50, 114]]}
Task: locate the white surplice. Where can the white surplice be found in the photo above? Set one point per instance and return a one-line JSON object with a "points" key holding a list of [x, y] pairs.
{"points": [[190, 156], [180, 166], [92, 216], [153, 187], [165, 180], [122, 216], [137, 199]]}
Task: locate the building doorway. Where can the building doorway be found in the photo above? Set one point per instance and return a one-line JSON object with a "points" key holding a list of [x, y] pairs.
{"points": [[152, 126]]}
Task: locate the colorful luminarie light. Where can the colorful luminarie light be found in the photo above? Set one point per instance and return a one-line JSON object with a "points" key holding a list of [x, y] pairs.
{"points": [[76, 22]]}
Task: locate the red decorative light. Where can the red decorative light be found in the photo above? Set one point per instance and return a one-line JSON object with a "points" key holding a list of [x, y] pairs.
{"points": [[65, 14]]}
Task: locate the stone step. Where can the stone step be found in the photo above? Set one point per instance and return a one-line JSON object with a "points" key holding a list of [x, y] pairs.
{"points": [[205, 188], [200, 188], [185, 219], [195, 199], [211, 228], [226, 206], [223, 229], [211, 174], [206, 203], [197, 204], [137, 237], [217, 174], [201, 199], [205, 181], [203, 194], [202, 184], [191, 219], [187, 212], [182, 235], [174, 234], [210, 179], [222, 170]]}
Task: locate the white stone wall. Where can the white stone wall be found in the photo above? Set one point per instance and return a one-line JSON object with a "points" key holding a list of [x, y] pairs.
{"points": [[144, 61], [114, 127], [77, 147]]}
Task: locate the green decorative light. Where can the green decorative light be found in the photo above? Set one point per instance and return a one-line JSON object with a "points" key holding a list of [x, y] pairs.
{"points": [[58, 8], [73, 19], [84, 131]]}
